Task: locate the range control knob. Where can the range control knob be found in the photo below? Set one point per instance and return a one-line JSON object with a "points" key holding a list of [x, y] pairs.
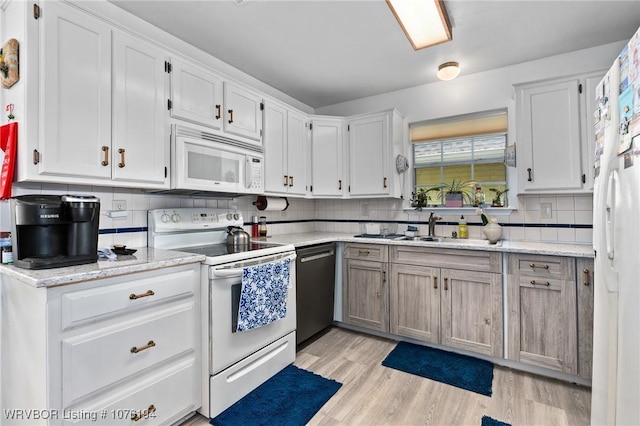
{"points": [[229, 216], [165, 218], [175, 217], [236, 216]]}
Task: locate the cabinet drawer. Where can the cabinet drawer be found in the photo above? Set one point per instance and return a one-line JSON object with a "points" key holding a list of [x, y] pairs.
{"points": [[374, 252], [471, 260], [553, 267], [104, 356], [127, 294], [164, 396]]}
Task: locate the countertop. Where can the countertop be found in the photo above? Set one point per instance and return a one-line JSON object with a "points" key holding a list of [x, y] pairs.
{"points": [[552, 249], [144, 259]]}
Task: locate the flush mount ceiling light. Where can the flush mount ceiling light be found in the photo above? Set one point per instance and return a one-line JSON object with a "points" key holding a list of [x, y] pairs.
{"points": [[424, 22], [448, 71]]}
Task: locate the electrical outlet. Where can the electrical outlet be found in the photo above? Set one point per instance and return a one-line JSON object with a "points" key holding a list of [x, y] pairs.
{"points": [[546, 211], [119, 205], [365, 209]]}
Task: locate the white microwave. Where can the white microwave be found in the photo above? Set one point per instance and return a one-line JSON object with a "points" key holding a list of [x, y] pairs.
{"points": [[203, 161]]}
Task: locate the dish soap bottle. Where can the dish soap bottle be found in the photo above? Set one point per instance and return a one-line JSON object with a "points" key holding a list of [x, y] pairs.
{"points": [[462, 228]]}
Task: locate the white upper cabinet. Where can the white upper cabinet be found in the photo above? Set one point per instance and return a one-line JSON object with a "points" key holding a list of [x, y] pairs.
{"points": [[327, 155], [101, 105], [286, 152], [553, 135], [242, 112], [203, 97], [75, 104], [140, 142], [298, 153], [374, 142], [196, 94]]}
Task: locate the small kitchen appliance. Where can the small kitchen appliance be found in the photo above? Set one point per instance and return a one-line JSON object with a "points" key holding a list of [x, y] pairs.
{"points": [[51, 231], [234, 362]]}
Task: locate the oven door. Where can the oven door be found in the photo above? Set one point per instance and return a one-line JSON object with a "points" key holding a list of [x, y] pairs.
{"points": [[228, 346], [204, 165]]}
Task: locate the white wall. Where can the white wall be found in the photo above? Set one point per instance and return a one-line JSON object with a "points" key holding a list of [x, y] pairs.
{"points": [[478, 92]]}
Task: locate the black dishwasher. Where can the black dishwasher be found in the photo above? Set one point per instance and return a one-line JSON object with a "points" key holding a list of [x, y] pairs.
{"points": [[315, 282]]}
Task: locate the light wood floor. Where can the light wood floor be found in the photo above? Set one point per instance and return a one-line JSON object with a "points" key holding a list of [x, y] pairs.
{"points": [[375, 395]]}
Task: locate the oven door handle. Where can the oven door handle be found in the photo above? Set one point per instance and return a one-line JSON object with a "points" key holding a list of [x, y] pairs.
{"points": [[227, 273]]}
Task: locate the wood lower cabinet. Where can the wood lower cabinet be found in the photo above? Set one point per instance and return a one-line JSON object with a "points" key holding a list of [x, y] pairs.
{"points": [[415, 302], [543, 312], [115, 348], [366, 291], [454, 307], [584, 290], [472, 311]]}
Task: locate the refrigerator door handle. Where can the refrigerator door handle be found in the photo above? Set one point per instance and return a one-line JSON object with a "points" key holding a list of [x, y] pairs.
{"points": [[610, 213]]}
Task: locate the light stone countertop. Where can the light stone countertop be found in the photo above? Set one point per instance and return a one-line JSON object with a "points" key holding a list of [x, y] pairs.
{"points": [[552, 249], [144, 259]]}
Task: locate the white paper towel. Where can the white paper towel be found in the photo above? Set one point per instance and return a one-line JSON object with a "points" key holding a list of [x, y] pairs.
{"points": [[271, 203]]}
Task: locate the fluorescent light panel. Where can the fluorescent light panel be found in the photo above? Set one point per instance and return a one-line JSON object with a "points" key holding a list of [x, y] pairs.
{"points": [[424, 22]]}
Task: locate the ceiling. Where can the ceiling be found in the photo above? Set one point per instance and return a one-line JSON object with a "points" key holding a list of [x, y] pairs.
{"points": [[330, 51]]}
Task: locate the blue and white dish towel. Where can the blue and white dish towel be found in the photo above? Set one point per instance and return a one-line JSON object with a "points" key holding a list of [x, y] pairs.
{"points": [[263, 299]]}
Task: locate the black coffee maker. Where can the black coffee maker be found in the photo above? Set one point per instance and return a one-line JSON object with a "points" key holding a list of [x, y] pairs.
{"points": [[51, 231]]}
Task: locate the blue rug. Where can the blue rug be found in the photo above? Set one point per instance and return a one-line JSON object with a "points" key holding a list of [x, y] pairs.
{"points": [[488, 421], [454, 369], [290, 398]]}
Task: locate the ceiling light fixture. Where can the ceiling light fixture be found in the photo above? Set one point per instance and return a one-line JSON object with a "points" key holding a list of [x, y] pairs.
{"points": [[448, 70], [424, 22]]}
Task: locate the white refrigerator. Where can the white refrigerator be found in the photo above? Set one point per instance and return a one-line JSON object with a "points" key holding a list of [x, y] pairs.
{"points": [[615, 396]]}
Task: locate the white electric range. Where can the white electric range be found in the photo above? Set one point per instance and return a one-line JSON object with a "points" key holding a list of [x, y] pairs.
{"points": [[234, 363]]}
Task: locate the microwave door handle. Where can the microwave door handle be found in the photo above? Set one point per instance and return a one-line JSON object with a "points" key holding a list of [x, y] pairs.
{"points": [[247, 172]]}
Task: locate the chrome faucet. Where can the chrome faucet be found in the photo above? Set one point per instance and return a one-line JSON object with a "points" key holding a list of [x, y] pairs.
{"points": [[432, 224]]}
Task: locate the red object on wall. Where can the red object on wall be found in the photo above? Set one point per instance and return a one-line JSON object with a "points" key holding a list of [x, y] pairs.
{"points": [[8, 144]]}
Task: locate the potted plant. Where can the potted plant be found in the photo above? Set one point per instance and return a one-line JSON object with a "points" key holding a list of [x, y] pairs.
{"points": [[457, 193], [498, 199], [421, 197]]}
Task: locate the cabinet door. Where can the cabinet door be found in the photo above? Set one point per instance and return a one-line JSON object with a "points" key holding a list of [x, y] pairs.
{"points": [[369, 155], [472, 311], [549, 134], [297, 153], [140, 150], [542, 322], [196, 95], [415, 302], [276, 179], [367, 294], [242, 112], [326, 157], [75, 82], [584, 287]]}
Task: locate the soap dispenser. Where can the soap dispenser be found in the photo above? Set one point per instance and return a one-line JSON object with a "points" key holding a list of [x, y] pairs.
{"points": [[462, 228]]}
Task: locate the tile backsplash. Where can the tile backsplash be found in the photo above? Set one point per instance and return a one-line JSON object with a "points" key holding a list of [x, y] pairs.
{"points": [[570, 218]]}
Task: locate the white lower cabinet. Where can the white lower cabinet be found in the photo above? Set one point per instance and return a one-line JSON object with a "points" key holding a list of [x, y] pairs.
{"points": [[109, 351]]}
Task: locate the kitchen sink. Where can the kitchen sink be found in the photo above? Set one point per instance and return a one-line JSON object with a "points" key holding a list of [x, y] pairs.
{"points": [[458, 241], [432, 239]]}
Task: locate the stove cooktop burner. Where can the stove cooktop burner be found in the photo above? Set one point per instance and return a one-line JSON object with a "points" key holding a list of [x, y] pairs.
{"points": [[224, 249]]}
